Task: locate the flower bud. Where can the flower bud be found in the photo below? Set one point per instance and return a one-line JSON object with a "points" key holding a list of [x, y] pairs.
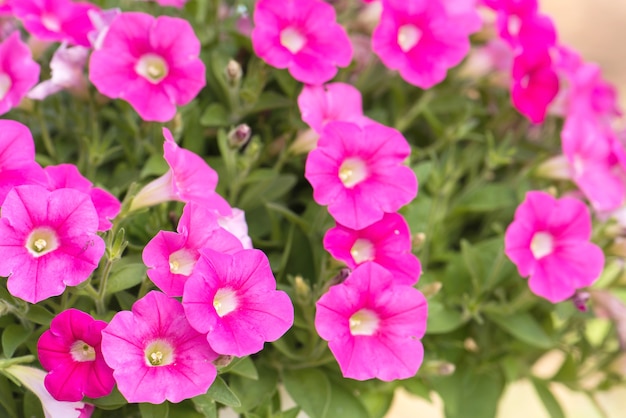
{"points": [[233, 72], [239, 136]]}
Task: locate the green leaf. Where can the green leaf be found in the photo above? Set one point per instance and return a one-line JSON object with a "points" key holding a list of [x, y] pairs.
{"points": [[245, 367], [215, 115], [114, 400], [441, 319], [468, 394], [149, 410], [416, 386], [290, 413], [311, 390], [344, 403], [205, 405], [220, 392], [252, 393], [12, 337], [523, 327], [155, 166], [547, 398], [6, 397], [487, 198], [125, 276], [270, 100], [266, 190], [39, 315], [377, 403]]}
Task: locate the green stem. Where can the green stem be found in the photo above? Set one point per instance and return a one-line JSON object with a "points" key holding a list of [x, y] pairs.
{"points": [[414, 112], [100, 307], [45, 135], [4, 363]]}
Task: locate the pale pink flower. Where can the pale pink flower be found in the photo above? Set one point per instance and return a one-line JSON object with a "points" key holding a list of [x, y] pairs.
{"points": [[233, 299], [179, 4], [302, 36], [189, 179], [423, 39], [236, 224], [172, 256], [549, 241], [70, 351], [66, 68], [101, 20], [359, 173], [48, 241], [152, 63], [373, 325], [155, 354], [56, 20], [18, 72], [386, 242]]}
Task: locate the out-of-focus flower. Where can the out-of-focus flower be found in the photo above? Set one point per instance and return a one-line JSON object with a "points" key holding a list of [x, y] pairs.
{"points": [[179, 4], [70, 351], [18, 72], [302, 36], [373, 325], [546, 241], [66, 68], [101, 20], [155, 354], [152, 63]]}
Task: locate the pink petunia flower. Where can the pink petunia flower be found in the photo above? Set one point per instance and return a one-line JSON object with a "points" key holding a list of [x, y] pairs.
{"points": [[101, 21], [549, 241], [359, 173], [302, 36], [18, 72], [64, 176], [373, 325], [233, 299], [152, 63], [179, 4], [48, 241], [66, 68], [172, 256], [189, 179], [155, 354], [70, 351], [236, 224], [423, 39], [511, 14], [56, 20], [17, 158], [386, 242]]}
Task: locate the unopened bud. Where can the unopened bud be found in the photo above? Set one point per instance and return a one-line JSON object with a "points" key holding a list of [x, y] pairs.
{"points": [[233, 72], [303, 291], [305, 141], [341, 276], [446, 369], [431, 289], [470, 345], [239, 136], [223, 360], [418, 239], [580, 300]]}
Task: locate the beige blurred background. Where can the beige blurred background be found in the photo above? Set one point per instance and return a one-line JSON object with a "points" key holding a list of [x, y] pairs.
{"points": [[597, 29]]}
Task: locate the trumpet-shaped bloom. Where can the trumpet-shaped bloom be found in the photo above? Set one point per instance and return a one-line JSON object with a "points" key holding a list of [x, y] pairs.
{"points": [[549, 241], [386, 242], [155, 354], [233, 299], [70, 351], [236, 224], [359, 173], [189, 179], [302, 36], [66, 67], [152, 63], [373, 325], [18, 72], [172, 256], [422, 39], [48, 241]]}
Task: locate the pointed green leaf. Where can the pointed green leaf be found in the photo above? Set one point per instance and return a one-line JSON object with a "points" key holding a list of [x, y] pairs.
{"points": [[311, 390], [149, 410], [220, 392], [523, 327], [12, 337]]}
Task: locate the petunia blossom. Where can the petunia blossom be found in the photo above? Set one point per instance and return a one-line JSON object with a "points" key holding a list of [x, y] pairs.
{"points": [[155, 354], [233, 299], [152, 63], [549, 241], [66, 67], [18, 72], [70, 351], [172, 256], [48, 241], [386, 242], [359, 173], [373, 325], [302, 36], [236, 224]]}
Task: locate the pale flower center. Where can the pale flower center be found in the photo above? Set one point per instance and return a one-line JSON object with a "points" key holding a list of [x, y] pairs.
{"points": [[81, 351], [42, 241], [514, 24], [408, 36], [225, 301], [159, 353], [362, 251], [152, 67], [364, 322], [5, 85], [51, 22], [578, 165], [182, 262], [352, 171], [542, 244], [292, 39]]}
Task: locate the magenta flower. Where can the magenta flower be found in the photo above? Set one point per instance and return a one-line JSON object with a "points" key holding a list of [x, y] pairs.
{"points": [[66, 68], [233, 299], [189, 179], [152, 63], [359, 173], [549, 241], [386, 242], [67, 176], [70, 352], [56, 20], [48, 241], [302, 36], [511, 15], [18, 72], [155, 354], [331, 102], [179, 4], [172, 256], [101, 21], [423, 39], [373, 325]]}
